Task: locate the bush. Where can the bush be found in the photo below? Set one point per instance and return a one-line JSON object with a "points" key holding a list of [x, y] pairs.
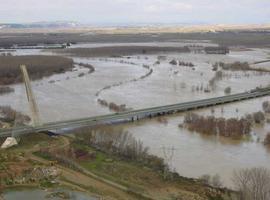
{"points": [[5, 90], [206, 179], [266, 106], [241, 66], [7, 114], [258, 117], [81, 74], [227, 90], [90, 67], [186, 64], [214, 181], [267, 139], [218, 126], [173, 62]]}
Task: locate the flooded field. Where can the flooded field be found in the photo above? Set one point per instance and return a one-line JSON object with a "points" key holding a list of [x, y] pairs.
{"points": [[196, 154], [127, 80]]}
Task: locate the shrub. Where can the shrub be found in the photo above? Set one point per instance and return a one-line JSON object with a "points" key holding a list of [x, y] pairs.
{"points": [[266, 106], [227, 90], [81, 74], [7, 114], [218, 126], [214, 181], [258, 117], [173, 62], [5, 90], [267, 139], [206, 179]]}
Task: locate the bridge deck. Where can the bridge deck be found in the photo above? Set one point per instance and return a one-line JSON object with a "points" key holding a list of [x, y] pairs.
{"points": [[137, 114]]}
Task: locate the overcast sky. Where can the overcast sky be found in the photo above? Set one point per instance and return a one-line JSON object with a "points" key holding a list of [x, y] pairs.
{"points": [[136, 11]]}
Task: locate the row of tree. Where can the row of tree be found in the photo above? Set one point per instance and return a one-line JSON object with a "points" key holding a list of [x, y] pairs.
{"points": [[181, 63], [122, 144], [218, 126], [38, 66], [113, 106], [6, 90]]}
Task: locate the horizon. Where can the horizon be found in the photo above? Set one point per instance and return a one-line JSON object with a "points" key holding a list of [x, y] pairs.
{"points": [[136, 12], [133, 24]]}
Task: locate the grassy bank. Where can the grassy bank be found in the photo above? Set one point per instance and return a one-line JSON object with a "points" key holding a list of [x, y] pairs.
{"points": [[91, 168], [139, 176]]}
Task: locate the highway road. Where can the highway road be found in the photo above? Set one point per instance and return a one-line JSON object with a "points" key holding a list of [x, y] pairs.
{"points": [[137, 114]]}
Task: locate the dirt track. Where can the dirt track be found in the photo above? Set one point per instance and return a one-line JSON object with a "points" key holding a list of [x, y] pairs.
{"points": [[89, 182]]}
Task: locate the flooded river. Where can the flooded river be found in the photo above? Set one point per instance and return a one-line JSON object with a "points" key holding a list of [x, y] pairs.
{"points": [[68, 96], [38, 194]]}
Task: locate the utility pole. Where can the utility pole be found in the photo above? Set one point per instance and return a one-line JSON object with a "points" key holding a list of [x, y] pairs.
{"points": [[30, 96]]}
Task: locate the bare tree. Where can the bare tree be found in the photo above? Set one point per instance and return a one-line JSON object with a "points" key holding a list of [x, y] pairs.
{"points": [[227, 90], [253, 184], [216, 181], [267, 139], [168, 154]]}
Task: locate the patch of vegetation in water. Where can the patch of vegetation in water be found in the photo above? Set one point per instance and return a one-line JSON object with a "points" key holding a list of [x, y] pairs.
{"points": [[38, 66]]}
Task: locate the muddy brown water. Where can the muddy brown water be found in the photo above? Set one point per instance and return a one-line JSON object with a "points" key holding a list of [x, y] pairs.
{"points": [[69, 96]]}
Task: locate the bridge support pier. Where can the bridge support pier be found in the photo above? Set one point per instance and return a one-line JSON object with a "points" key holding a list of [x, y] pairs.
{"points": [[9, 142]]}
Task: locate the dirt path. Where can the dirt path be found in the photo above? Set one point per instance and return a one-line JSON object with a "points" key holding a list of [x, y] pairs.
{"points": [[85, 181]]}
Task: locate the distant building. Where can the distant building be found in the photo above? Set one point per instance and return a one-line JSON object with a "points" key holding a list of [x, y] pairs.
{"points": [[216, 50]]}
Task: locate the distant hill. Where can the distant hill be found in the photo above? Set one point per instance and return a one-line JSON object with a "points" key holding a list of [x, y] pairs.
{"points": [[58, 24]]}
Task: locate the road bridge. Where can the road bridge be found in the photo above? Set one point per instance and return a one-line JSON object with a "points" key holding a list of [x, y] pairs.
{"points": [[129, 116]]}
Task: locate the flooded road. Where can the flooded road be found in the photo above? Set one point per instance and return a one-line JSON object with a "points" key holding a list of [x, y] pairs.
{"points": [[68, 96]]}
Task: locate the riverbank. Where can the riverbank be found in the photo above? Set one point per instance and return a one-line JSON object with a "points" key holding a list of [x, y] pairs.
{"points": [[142, 175], [110, 175]]}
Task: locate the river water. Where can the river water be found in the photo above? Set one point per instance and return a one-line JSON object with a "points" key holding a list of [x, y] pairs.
{"points": [[38, 194], [67, 96]]}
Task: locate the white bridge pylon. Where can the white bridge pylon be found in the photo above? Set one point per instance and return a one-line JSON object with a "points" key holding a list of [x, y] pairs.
{"points": [[11, 141], [30, 97]]}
